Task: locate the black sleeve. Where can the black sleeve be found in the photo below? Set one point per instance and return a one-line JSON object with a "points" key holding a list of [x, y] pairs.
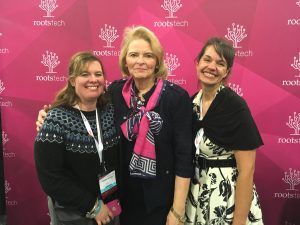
{"points": [[115, 86], [183, 140]]}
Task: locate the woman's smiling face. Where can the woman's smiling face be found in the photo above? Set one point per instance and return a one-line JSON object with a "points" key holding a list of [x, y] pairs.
{"points": [[140, 60], [211, 68], [89, 84]]}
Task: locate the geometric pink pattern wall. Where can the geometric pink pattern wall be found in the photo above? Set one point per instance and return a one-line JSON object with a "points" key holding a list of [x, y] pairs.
{"points": [[266, 73]]}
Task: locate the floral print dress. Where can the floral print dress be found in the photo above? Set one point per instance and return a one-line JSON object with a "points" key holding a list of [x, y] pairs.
{"points": [[211, 199]]}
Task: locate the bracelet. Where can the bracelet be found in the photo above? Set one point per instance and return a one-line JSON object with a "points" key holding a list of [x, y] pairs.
{"points": [[181, 219], [95, 210]]}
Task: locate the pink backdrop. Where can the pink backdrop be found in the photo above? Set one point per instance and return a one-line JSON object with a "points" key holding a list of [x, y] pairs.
{"points": [[266, 73]]}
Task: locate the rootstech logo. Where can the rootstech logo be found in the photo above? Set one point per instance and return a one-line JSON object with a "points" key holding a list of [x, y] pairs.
{"points": [[292, 179], [294, 124], [172, 62], [48, 6], [108, 34], [171, 7], [295, 65], [4, 102], [237, 33], [50, 60]]}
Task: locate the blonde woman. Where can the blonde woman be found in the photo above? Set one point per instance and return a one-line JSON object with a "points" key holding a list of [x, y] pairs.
{"points": [[155, 121]]}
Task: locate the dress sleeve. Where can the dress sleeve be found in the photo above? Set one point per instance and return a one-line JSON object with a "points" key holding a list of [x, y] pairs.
{"points": [[49, 150]]}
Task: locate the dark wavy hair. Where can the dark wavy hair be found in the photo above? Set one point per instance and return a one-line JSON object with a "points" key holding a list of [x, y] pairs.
{"points": [[223, 48]]}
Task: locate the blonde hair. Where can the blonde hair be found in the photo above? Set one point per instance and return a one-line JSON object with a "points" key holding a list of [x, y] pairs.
{"points": [[67, 96], [140, 32]]}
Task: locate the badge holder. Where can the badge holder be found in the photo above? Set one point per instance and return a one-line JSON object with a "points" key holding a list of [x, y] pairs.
{"points": [[107, 179], [108, 190]]}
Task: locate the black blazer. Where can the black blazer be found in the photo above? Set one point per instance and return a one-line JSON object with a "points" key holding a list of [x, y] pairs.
{"points": [[173, 145]]}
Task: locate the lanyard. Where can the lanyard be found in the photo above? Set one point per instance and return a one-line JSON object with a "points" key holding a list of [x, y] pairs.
{"points": [[87, 125]]}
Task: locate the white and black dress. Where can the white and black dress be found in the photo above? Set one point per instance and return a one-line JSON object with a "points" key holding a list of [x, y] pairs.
{"points": [[211, 198]]}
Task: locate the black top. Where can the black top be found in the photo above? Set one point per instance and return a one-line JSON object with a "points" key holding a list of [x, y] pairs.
{"points": [[173, 146], [229, 123], [66, 157]]}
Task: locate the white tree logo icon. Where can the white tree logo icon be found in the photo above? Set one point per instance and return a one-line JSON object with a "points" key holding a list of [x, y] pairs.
{"points": [[7, 187], [49, 6], [236, 34], [172, 63], [296, 64], [236, 88], [5, 139], [2, 88], [108, 34], [50, 60], [171, 6], [294, 123], [292, 178]]}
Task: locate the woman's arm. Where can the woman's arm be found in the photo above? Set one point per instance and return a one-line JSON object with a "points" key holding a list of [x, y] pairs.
{"points": [[244, 186], [180, 194], [183, 152]]}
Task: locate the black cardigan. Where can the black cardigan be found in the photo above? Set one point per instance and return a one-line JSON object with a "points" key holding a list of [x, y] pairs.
{"points": [[229, 123], [173, 145]]}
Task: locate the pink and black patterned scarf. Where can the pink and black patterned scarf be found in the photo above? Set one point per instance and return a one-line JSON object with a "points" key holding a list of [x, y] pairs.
{"points": [[142, 125]]}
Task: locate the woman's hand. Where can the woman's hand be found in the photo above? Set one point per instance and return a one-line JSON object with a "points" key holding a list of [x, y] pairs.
{"points": [[104, 216], [41, 117], [172, 220], [176, 214]]}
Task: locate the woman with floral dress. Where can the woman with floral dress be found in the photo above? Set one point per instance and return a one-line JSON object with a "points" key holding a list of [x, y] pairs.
{"points": [[226, 138]]}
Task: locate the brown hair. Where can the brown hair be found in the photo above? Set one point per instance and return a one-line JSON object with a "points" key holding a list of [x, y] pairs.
{"points": [[67, 96], [223, 49]]}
